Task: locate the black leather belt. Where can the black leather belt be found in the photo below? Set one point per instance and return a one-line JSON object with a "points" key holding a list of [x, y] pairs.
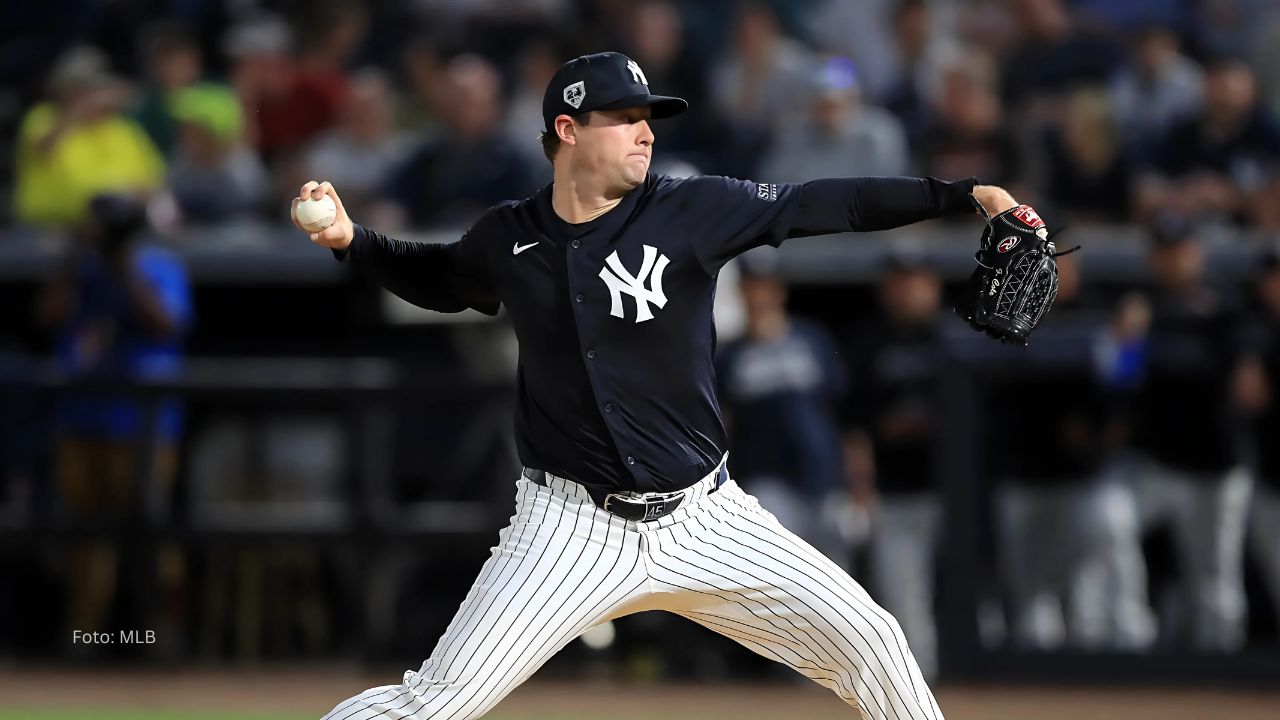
{"points": [[633, 508]]}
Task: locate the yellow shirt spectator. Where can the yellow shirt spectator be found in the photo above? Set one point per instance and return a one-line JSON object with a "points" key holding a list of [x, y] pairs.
{"points": [[55, 183]]}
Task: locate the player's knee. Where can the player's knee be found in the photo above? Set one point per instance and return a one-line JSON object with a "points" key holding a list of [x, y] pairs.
{"points": [[878, 629]]}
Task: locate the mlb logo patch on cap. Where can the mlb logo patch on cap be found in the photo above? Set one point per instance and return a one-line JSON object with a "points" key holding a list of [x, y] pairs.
{"points": [[574, 94], [604, 81]]}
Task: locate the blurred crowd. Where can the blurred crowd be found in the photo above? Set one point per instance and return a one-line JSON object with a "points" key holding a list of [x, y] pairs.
{"points": [[1146, 413], [1137, 409], [426, 113]]}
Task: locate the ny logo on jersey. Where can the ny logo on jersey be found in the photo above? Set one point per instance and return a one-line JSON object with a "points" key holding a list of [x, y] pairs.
{"points": [[636, 73], [620, 281]]}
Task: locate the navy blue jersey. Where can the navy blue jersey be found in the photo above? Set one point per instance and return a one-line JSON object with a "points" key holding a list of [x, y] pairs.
{"points": [[1183, 410], [616, 387]]}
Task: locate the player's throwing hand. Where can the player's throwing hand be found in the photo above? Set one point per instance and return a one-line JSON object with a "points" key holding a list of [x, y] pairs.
{"points": [[338, 235]]}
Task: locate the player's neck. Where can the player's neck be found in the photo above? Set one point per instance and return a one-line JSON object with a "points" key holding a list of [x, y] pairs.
{"points": [[575, 201]]}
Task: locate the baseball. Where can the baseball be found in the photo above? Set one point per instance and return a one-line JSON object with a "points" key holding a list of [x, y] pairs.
{"points": [[316, 215]]}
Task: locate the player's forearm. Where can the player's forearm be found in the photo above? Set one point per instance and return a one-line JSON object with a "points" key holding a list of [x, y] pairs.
{"points": [[421, 273], [864, 204]]}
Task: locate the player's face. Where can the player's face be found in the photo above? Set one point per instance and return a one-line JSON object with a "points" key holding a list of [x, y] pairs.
{"points": [[1177, 265], [911, 295], [617, 147]]}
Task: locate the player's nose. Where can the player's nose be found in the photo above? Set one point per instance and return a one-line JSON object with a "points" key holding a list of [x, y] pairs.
{"points": [[646, 133]]}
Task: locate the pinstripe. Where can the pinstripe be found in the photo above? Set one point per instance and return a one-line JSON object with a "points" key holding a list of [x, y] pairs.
{"points": [[835, 578], [816, 561], [360, 698], [854, 593], [790, 600], [566, 637], [763, 644], [490, 647], [771, 615], [593, 615], [474, 652], [768, 618], [518, 639], [554, 643], [507, 552]]}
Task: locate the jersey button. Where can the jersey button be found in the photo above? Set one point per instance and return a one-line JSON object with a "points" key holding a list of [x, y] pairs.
{"points": [[591, 354], [580, 297], [631, 460], [577, 243], [608, 407]]}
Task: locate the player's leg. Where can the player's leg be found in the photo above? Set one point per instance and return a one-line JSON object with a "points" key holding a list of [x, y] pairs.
{"points": [[560, 567], [1107, 589], [1209, 527], [1025, 538], [902, 554], [730, 566]]}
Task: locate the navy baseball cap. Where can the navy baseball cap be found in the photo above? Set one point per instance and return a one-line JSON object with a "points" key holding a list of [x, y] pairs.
{"points": [[604, 81]]}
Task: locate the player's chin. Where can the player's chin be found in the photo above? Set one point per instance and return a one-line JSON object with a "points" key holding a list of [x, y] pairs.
{"points": [[633, 174]]}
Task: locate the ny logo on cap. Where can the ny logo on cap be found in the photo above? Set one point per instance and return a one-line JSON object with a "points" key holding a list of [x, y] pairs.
{"points": [[574, 94], [636, 73]]}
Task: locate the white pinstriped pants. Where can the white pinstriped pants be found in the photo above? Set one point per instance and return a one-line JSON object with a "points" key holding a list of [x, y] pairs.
{"points": [[563, 565]]}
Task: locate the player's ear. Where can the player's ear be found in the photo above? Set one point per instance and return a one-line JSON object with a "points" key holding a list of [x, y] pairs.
{"points": [[566, 130]]}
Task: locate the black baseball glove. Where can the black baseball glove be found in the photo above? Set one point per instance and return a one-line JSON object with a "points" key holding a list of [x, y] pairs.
{"points": [[1016, 280]]}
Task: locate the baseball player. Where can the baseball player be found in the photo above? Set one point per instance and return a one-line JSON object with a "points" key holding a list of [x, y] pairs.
{"points": [[607, 275]]}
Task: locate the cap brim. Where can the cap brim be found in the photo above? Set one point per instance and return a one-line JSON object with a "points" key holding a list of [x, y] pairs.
{"points": [[662, 106]]}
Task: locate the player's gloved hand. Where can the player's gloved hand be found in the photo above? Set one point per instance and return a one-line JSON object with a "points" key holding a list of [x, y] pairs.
{"points": [[1016, 280]]}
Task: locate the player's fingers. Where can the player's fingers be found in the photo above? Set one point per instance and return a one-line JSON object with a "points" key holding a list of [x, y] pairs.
{"points": [[293, 213], [307, 188], [337, 201], [326, 188]]}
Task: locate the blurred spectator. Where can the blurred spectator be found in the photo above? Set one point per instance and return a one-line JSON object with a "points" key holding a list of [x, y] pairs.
{"points": [[968, 134], [1088, 177], [1217, 162], [1158, 88], [120, 310], [780, 384], [1256, 388], [1185, 430], [330, 35], [360, 154], [764, 77], [472, 166], [79, 144], [922, 48], [842, 137], [215, 178], [423, 68], [289, 102], [1052, 55], [862, 30], [1059, 517], [655, 39], [537, 63], [172, 61], [760, 84], [890, 446]]}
